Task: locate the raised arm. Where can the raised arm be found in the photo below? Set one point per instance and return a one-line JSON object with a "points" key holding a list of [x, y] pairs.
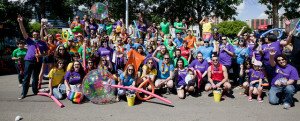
{"points": [[20, 21], [272, 61], [288, 39], [154, 54], [241, 31]]}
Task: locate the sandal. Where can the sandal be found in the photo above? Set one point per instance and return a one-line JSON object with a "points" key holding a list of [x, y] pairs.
{"points": [[260, 100], [250, 99]]}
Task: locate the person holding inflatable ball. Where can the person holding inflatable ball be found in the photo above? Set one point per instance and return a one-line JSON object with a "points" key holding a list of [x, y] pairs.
{"points": [[283, 84]]}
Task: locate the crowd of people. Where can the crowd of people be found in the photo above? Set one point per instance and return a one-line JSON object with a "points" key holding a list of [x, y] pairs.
{"points": [[183, 65]]}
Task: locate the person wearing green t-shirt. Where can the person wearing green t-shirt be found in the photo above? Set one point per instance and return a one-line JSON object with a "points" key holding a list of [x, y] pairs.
{"points": [[18, 56], [178, 26], [165, 27], [88, 49], [109, 29], [178, 56]]}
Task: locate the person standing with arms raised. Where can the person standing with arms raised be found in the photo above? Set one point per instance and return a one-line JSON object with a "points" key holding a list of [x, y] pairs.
{"points": [[36, 49]]}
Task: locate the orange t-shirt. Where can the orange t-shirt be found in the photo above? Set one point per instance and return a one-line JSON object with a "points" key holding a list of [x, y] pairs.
{"points": [[191, 40], [52, 48]]}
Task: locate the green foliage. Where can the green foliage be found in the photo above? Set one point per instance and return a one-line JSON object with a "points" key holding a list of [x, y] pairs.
{"points": [[35, 27], [232, 28], [54, 31], [8, 17], [291, 7]]}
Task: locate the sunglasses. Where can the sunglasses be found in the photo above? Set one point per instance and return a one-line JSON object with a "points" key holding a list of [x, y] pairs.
{"points": [[206, 42], [61, 49], [214, 60], [166, 58], [150, 62], [130, 69]]}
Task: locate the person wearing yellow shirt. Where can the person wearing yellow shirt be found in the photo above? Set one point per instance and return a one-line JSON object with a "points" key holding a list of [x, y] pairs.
{"points": [[149, 71], [56, 76], [206, 27]]}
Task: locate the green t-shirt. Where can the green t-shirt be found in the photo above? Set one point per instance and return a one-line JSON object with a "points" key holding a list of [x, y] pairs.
{"points": [[19, 53], [109, 29], [178, 24], [87, 54], [185, 62], [171, 49], [165, 27]]}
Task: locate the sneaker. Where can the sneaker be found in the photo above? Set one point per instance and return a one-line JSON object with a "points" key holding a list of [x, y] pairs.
{"points": [[22, 97], [286, 106], [187, 93]]}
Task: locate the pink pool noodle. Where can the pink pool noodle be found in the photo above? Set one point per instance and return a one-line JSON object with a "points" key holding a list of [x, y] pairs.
{"points": [[144, 91], [53, 98]]}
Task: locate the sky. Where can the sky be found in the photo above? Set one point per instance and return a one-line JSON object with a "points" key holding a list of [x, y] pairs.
{"points": [[251, 9]]}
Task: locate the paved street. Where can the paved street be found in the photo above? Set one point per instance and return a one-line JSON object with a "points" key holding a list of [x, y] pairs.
{"points": [[38, 108]]}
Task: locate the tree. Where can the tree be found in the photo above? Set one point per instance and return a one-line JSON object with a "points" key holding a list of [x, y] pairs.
{"points": [[8, 13], [51, 9], [291, 8], [231, 28]]}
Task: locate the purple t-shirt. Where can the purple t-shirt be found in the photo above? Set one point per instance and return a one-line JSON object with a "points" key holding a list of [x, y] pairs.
{"points": [[255, 75], [225, 58], [104, 51], [257, 55], [31, 48], [250, 46], [201, 66], [73, 78], [266, 49], [288, 72], [181, 77], [93, 26]]}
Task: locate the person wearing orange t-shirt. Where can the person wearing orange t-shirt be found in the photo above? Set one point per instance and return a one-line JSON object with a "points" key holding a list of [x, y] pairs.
{"points": [[190, 39]]}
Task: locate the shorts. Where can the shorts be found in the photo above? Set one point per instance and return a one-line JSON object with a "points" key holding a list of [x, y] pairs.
{"points": [[254, 85], [215, 82]]}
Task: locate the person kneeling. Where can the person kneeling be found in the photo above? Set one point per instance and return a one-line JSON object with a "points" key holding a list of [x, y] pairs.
{"points": [[217, 76]]}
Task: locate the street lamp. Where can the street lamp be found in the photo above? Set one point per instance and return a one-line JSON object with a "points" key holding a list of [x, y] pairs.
{"points": [[127, 14]]}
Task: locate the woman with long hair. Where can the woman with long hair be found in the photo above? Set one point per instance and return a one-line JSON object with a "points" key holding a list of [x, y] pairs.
{"points": [[127, 78], [56, 76]]}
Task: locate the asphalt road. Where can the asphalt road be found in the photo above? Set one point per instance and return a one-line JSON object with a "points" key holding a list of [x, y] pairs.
{"points": [[38, 108]]}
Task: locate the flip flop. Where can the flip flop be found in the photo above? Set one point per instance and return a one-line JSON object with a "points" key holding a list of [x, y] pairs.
{"points": [[250, 99], [260, 100]]}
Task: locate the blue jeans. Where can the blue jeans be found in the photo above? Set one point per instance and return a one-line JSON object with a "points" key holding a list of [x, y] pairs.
{"points": [[31, 68], [20, 75], [278, 94], [58, 92]]}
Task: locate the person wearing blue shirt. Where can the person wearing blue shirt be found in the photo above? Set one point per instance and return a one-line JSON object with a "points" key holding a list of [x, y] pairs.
{"points": [[241, 52], [165, 73], [126, 79], [178, 40], [206, 51]]}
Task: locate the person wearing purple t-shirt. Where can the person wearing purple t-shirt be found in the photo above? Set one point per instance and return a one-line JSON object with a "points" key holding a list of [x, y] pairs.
{"points": [[183, 84], [255, 81], [283, 82], [36, 49], [273, 44], [226, 53], [74, 77], [200, 64], [104, 50]]}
